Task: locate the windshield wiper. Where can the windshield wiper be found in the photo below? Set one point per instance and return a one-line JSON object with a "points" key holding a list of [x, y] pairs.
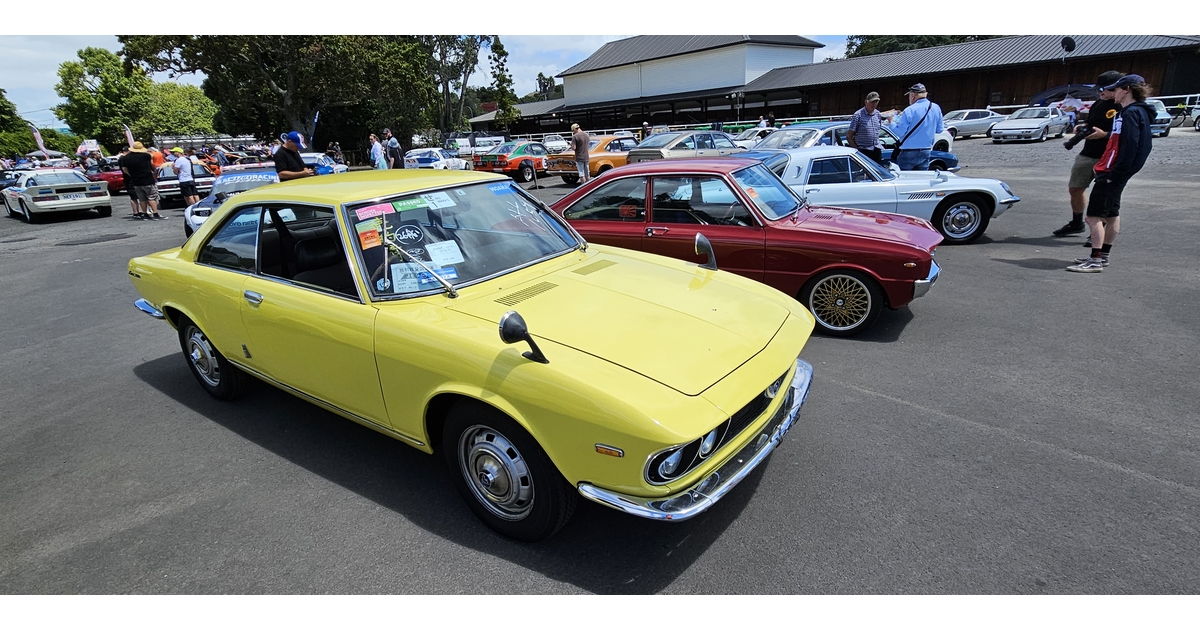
{"points": [[404, 254]]}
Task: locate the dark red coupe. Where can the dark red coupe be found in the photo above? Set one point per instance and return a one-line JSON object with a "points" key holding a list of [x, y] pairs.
{"points": [[110, 173], [843, 265]]}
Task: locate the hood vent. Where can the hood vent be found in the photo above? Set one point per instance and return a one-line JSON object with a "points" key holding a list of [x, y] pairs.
{"points": [[594, 267], [825, 217], [512, 299]]}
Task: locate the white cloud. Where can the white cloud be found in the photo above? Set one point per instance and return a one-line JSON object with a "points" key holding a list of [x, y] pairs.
{"points": [[835, 46]]}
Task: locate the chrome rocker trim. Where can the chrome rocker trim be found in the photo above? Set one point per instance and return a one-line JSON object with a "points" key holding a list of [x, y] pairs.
{"points": [[703, 495], [148, 309], [921, 287]]}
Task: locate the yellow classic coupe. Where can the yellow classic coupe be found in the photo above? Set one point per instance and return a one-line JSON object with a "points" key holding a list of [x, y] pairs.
{"points": [[646, 384]]}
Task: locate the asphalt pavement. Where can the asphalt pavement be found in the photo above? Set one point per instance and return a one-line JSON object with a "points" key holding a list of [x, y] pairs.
{"points": [[1020, 429]]}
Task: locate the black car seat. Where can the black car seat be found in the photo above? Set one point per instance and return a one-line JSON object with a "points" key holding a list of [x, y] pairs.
{"points": [[320, 261]]}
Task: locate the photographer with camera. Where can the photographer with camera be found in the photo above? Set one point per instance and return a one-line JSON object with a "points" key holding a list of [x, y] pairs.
{"points": [[1094, 134]]}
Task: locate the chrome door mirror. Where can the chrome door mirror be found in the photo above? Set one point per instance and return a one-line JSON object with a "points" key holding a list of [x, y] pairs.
{"points": [[705, 247]]}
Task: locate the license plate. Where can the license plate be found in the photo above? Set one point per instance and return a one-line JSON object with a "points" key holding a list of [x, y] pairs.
{"points": [[72, 196]]}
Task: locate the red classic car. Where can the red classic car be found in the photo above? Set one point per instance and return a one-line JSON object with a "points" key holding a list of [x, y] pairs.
{"points": [[110, 173], [843, 265]]}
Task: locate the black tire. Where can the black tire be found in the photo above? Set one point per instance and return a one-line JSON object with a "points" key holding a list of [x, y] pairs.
{"points": [[30, 217], [1166, 132], [962, 218], [12, 213], [941, 146], [478, 440], [843, 302], [937, 165], [995, 141], [220, 378], [571, 179], [187, 230], [953, 133], [105, 211], [603, 169], [1045, 134], [525, 172]]}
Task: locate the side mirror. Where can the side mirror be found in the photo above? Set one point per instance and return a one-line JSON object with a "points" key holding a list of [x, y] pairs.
{"points": [[513, 329], [705, 247]]}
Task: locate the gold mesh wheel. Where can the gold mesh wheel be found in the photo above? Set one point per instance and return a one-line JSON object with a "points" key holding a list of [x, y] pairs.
{"points": [[841, 302]]}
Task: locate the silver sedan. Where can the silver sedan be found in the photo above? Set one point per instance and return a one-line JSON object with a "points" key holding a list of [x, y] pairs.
{"points": [[968, 122]]}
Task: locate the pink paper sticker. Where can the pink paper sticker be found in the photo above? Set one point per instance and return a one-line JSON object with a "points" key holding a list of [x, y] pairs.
{"points": [[374, 211]]}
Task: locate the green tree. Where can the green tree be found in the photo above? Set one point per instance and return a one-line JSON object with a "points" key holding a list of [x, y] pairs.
{"points": [[101, 94], [21, 141], [452, 60], [507, 114], [863, 45], [547, 90], [9, 120], [174, 110]]}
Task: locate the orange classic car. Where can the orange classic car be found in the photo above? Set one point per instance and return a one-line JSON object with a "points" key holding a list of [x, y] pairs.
{"points": [[519, 159], [604, 153]]}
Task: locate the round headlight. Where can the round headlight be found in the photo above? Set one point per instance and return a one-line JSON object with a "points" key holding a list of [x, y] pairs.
{"points": [[710, 440], [670, 464]]}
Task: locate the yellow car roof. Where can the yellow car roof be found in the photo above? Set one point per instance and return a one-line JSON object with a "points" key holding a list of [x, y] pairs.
{"points": [[360, 185]]}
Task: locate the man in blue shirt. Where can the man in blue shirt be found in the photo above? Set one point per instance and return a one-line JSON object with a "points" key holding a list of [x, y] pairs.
{"points": [[916, 127], [864, 129]]}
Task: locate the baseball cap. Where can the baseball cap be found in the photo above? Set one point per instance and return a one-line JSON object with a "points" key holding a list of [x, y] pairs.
{"points": [[917, 88], [1108, 78], [294, 136], [574, 125], [176, 150], [1126, 81], [872, 96], [386, 130]]}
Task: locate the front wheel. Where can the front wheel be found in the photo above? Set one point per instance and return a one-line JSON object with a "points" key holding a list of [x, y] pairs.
{"points": [[1166, 132], [571, 179], [8, 207], [220, 378], [961, 219], [941, 146], [1045, 134], [937, 166], [843, 302], [502, 473], [525, 173]]}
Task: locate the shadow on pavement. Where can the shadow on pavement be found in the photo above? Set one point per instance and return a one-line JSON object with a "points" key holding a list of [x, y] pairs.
{"points": [[1045, 264], [886, 329], [1043, 241], [600, 550]]}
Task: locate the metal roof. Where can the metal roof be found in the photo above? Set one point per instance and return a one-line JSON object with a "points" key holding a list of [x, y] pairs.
{"points": [[536, 108], [1002, 51], [646, 47]]}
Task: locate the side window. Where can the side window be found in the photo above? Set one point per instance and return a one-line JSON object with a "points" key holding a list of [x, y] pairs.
{"points": [[840, 135], [613, 147], [233, 246], [975, 115], [537, 149], [858, 172], [723, 142], [301, 243], [704, 141], [628, 144], [887, 139], [688, 142], [620, 200], [826, 139], [706, 200], [830, 171]]}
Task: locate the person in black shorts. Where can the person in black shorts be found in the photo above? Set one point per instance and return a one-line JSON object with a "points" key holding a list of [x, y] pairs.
{"points": [[288, 163]]}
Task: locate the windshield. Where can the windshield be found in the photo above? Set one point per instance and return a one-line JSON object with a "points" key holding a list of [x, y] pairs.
{"points": [[1033, 112], [748, 134], [553, 138], [464, 234], [507, 147], [957, 115], [658, 140], [788, 139], [231, 184], [50, 179], [1159, 106], [772, 197]]}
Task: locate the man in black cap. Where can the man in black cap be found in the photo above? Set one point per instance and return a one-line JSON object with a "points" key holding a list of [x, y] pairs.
{"points": [[288, 163], [1126, 152], [1100, 118], [395, 157], [916, 127]]}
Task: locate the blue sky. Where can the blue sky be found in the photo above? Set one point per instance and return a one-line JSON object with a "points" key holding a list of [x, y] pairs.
{"points": [[30, 67]]}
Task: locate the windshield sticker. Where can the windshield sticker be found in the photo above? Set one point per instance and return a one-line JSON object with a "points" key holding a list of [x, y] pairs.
{"points": [[369, 233], [383, 284], [408, 233], [404, 277], [501, 189], [627, 211], [447, 273], [444, 253], [374, 211], [750, 191], [438, 200], [410, 204]]}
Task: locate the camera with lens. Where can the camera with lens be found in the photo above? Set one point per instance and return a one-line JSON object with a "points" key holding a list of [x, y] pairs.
{"points": [[1079, 137]]}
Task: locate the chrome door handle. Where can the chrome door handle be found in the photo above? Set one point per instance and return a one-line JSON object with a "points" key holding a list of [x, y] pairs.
{"points": [[252, 297], [650, 230], [811, 190]]}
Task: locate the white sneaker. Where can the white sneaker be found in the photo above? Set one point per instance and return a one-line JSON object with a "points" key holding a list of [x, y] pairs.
{"points": [[1089, 265], [1103, 260]]}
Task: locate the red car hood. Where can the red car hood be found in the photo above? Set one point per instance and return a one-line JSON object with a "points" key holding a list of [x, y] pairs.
{"points": [[885, 226]]}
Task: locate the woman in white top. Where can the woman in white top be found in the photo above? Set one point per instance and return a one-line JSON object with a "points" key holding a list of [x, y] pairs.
{"points": [[377, 156]]}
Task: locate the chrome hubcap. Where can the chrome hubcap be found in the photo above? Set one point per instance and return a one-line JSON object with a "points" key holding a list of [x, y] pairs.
{"points": [[496, 472], [200, 353], [961, 220], [840, 302]]}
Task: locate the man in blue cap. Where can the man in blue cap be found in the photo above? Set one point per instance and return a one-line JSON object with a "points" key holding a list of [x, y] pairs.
{"points": [[1124, 155], [915, 127], [288, 163]]}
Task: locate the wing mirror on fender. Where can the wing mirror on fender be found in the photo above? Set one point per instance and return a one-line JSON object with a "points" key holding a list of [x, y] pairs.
{"points": [[513, 329], [705, 247]]}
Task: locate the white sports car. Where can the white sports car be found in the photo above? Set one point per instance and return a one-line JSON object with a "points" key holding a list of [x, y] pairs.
{"points": [[435, 158], [958, 207], [753, 136], [555, 143], [43, 191], [1032, 123]]}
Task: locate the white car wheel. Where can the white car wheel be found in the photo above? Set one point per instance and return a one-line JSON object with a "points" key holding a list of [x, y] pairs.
{"points": [[8, 207], [961, 219], [1045, 134]]}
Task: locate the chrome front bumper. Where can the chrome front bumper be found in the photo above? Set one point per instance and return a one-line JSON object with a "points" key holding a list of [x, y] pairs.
{"points": [[921, 287], [148, 308], [703, 495]]}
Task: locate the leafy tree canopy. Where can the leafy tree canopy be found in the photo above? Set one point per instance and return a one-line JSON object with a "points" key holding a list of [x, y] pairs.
{"points": [[863, 45], [548, 90], [507, 113], [9, 120], [101, 97]]}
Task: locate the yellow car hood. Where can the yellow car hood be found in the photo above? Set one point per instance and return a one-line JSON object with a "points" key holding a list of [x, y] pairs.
{"points": [[684, 327]]}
